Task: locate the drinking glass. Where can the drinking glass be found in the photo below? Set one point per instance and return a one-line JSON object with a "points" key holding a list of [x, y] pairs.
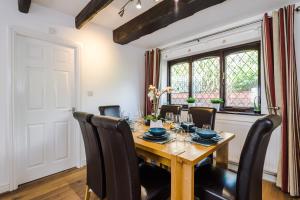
{"points": [[138, 116], [169, 117], [182, 135], [206, 126], [177, 121], [190, 118], [137, 120], [124, 115]]}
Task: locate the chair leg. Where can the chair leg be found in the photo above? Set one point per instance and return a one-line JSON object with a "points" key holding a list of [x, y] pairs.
{"points": [[87, 193]]}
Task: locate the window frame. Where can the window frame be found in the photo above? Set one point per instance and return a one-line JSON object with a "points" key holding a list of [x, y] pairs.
{"points": [[222, 53]]}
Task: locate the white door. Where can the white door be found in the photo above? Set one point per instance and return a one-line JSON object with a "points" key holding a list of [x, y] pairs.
{"points": [[43, 99]]}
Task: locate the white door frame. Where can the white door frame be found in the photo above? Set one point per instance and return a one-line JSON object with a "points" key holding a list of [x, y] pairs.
{"points": [[11, 135]]}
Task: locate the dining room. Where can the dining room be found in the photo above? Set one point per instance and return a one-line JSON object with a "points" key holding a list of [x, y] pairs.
{"points": [[150, 99]]}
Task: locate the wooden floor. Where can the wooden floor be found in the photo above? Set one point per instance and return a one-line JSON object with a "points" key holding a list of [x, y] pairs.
{"points": [[70, 185]]}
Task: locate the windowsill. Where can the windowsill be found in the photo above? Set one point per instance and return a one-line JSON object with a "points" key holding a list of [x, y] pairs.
{"points": [[234, 113], [240, 113]]}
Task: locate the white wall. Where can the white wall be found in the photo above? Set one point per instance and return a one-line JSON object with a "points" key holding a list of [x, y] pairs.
{"points": [[112, 72]]}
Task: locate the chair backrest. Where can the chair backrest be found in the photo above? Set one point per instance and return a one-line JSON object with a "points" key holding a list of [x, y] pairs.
{"points": [[176, 109], [93, 152], [203, 115], [111, 110], [249, 178], [120, 159]]}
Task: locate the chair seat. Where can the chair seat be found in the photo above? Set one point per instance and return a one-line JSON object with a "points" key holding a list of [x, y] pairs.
{"points": [[215, 183], [140, 160], [155, 182]]}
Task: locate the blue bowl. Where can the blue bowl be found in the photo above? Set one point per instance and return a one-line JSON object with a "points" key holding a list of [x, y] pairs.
{"points": [[205, 133], [157, 131]]}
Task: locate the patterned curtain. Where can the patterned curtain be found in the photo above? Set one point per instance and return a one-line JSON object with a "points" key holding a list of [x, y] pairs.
{"points": [[152, 75], [282, 92]]}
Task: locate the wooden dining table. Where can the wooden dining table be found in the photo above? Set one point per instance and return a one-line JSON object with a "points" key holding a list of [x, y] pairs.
{"points": [[180, 157]]}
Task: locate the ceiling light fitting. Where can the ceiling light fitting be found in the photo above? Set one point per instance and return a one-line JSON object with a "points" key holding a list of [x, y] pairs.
{"points": [[138, 5]]}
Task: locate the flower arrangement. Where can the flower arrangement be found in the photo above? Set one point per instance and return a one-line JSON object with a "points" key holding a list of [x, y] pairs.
{"points": [[154, 95]]}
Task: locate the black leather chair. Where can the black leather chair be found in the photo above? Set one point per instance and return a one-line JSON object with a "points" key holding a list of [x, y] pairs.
{"points": [[111, 110], [203, 115], [125, 179], [175, 109], [94, 156], [215, 183]]}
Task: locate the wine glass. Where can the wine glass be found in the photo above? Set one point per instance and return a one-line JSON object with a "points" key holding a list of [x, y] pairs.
{"points": [[183, 135], [177, 121], [190, 119], [169, 117], [124, 115], [137, 119], [138, 116]]}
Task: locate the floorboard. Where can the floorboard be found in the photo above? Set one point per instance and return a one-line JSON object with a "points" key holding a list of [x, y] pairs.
{"points": [[70, 185]]}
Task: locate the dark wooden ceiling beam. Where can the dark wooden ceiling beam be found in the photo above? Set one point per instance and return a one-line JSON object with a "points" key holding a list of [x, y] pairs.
{"points": [[24, 5], [89, 11], [160, 16]]}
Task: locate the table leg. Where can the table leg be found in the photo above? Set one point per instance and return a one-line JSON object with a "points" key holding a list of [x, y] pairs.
{"points": [[182, 180], [188, 181], [222, 156]]}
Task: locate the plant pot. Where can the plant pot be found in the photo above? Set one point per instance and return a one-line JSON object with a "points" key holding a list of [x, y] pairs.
{"points": [[157, 123], [191, 105], [257, 111], [216, 106]]}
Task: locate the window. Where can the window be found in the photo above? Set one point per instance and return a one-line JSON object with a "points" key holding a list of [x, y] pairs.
{"points": [[241, 78], [231, 74]]}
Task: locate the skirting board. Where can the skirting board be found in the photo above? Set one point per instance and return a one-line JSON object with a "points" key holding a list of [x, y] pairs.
{"points": [[4, 188], [268, 176], [82, 163]]}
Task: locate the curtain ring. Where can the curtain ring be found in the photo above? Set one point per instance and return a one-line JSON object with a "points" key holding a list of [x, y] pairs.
{"points": [[274, 108]]}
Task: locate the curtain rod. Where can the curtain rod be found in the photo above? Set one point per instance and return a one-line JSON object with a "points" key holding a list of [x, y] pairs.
{"points": [[213, 34], [219, 32]]}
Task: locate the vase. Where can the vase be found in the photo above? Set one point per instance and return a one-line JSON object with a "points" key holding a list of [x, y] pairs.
{"points": [[191, 105]]}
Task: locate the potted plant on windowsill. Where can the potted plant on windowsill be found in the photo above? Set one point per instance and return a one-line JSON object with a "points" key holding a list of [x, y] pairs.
{"points": [[191, 101], [154, 95], [216, 102]]}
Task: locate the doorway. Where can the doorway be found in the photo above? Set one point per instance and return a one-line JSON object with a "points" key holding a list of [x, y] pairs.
{"points": [[44, 95]]}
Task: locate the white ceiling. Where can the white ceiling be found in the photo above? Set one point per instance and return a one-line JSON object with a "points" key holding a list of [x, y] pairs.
{"points": [[108, 17], [228, 12]]}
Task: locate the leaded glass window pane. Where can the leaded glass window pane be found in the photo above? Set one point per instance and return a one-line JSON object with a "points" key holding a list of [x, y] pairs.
{"points": [[241, 77], [179, 82], [206, 79]]}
